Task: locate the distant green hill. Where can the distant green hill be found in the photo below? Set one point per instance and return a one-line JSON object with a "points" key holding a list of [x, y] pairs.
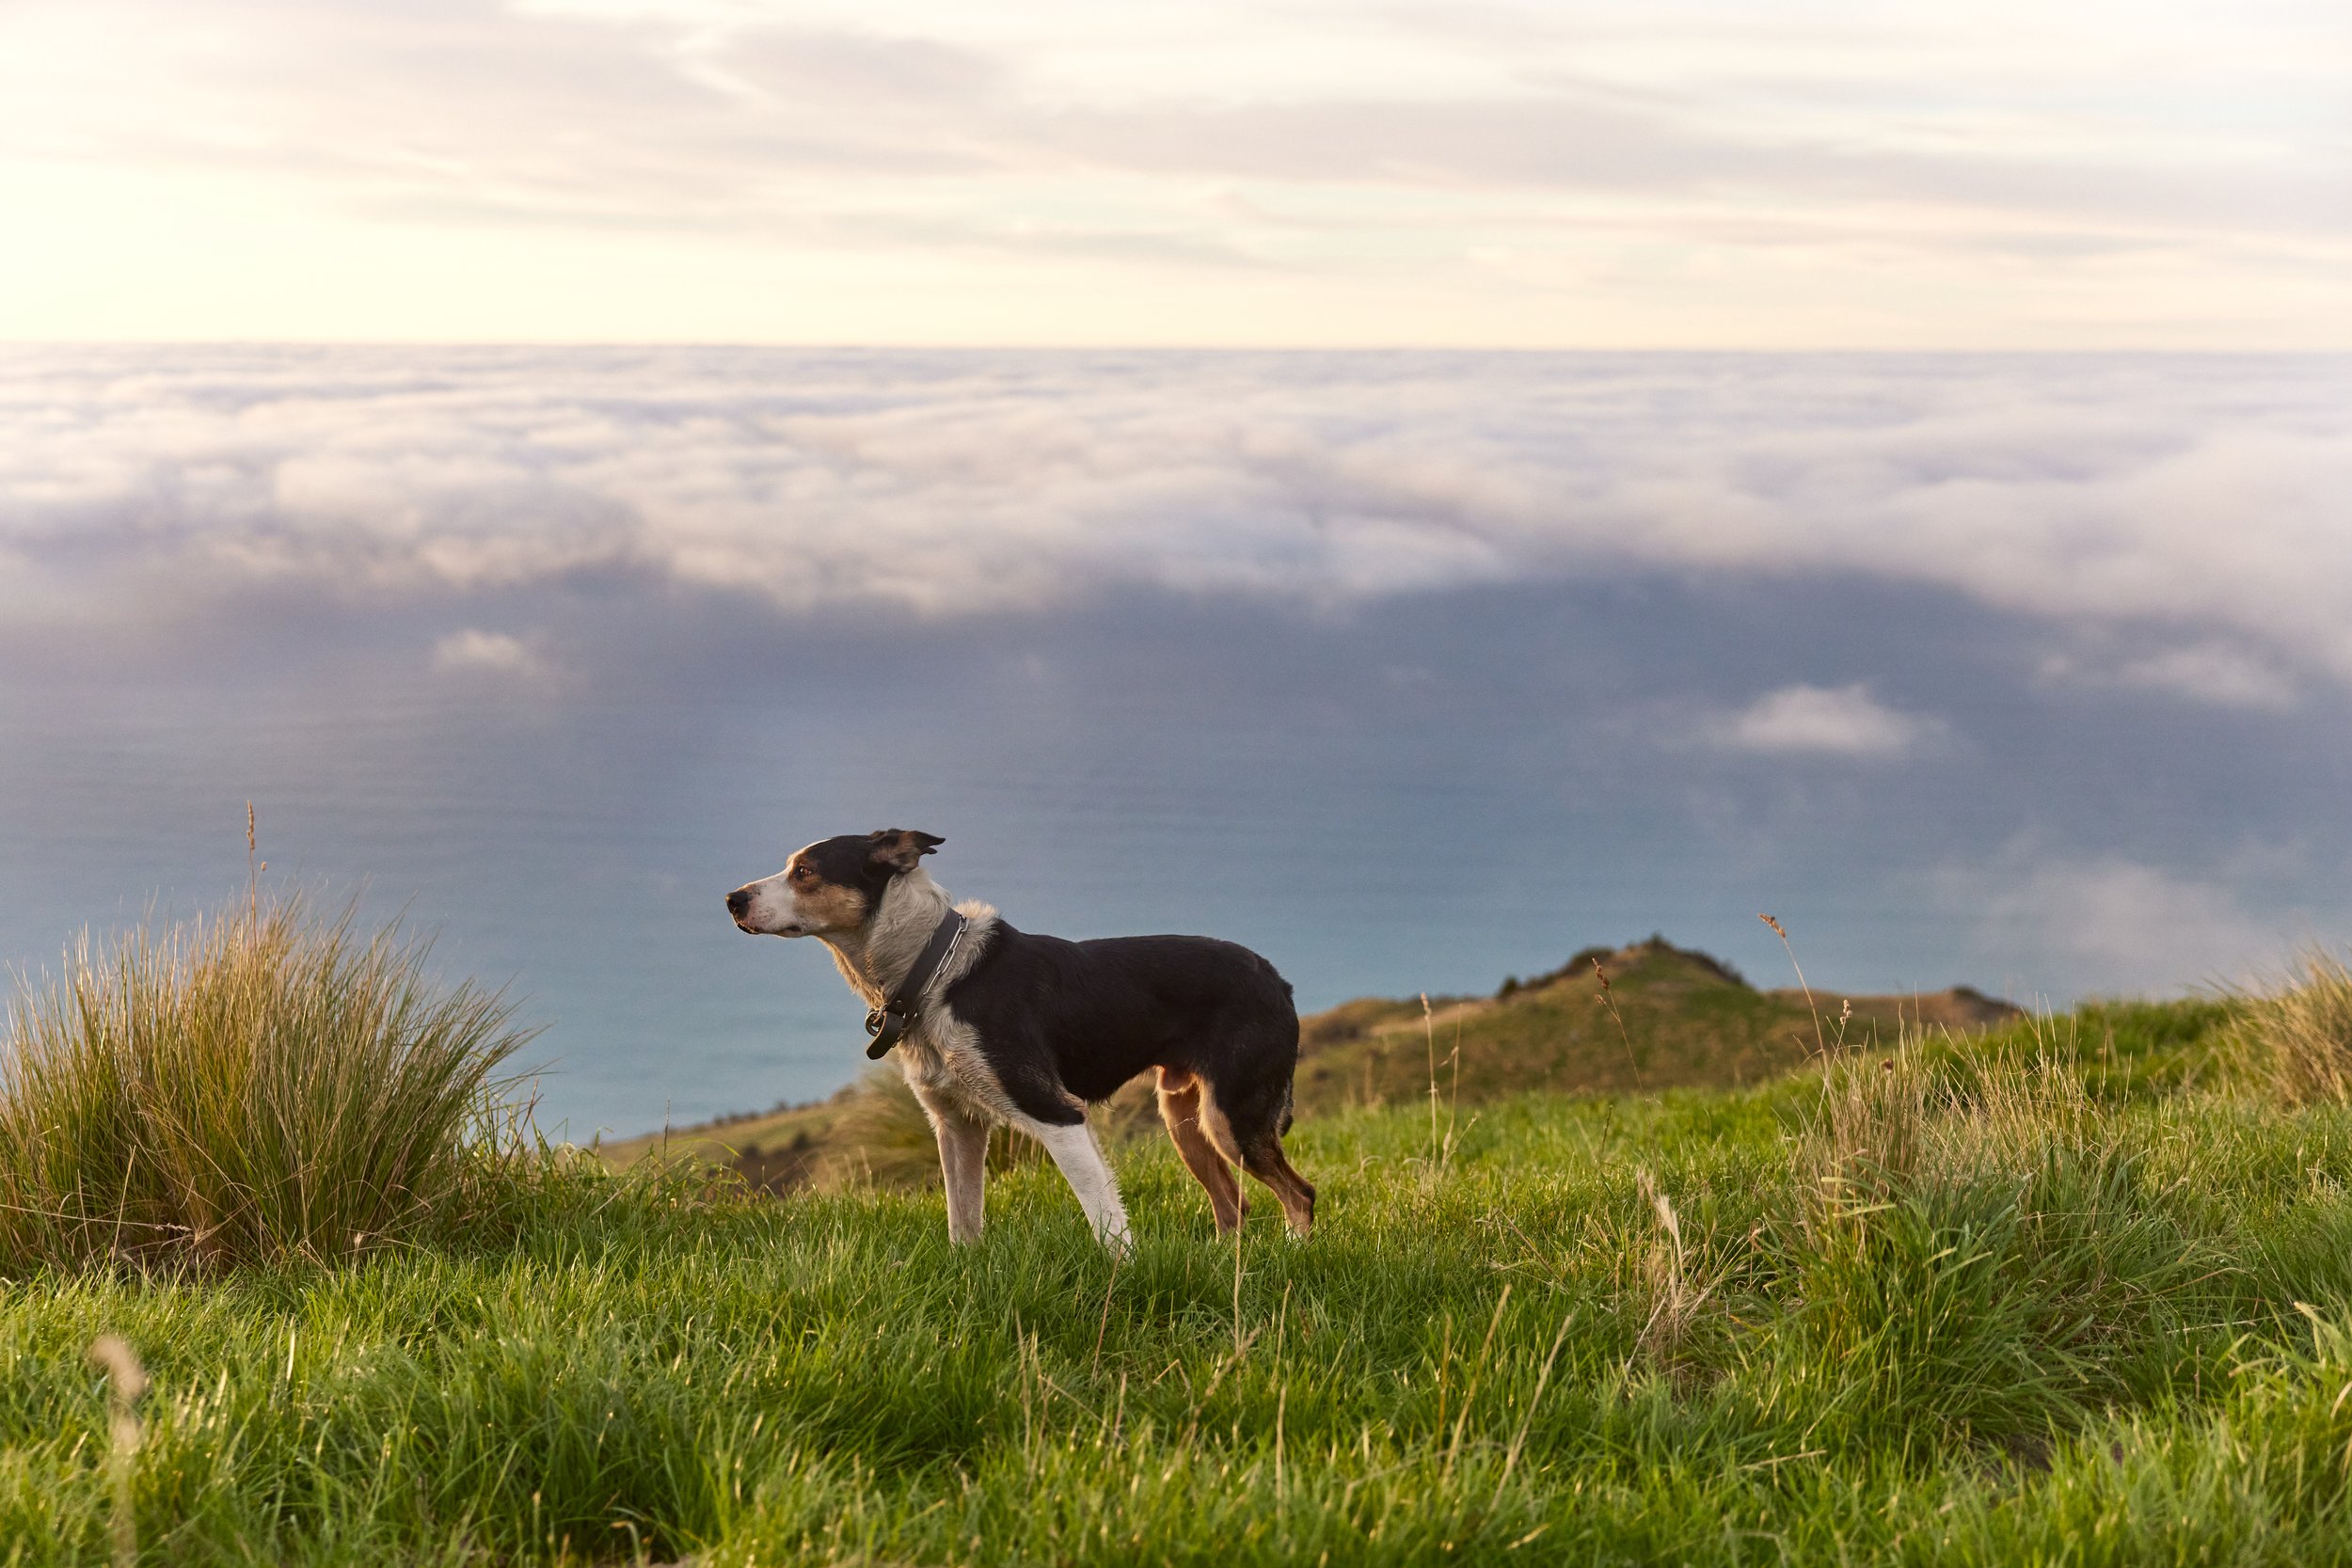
{"points": [[1667, 1018]]}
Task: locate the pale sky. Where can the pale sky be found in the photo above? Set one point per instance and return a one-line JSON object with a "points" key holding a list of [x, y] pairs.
{"points": [[1696, 173]]}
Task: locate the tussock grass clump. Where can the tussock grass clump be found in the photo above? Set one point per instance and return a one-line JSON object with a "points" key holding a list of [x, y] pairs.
{"points": [[252, 1087], [1978, 1259], [2300, 1031], [1923, 1114]]}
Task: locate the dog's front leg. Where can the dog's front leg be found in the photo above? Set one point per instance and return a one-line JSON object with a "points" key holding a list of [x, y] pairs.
{"points": [[1080, 1157], [964, 1160]]}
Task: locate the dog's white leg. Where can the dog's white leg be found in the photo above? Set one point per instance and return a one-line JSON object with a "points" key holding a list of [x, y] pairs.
{"points": [[1080, 1157], [964, 1160]]}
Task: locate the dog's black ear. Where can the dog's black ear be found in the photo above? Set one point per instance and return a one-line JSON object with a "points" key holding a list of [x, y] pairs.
{"points": [[901, 848]]}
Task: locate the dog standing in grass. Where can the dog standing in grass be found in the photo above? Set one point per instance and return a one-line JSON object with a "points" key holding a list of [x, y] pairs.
{"points": [[993, 1025]]}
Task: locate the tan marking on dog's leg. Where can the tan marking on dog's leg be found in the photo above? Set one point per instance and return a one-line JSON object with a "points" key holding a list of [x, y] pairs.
{"points": [[1221, 1131], [964, 1161], [1180, 1108], [1269, 1165]]}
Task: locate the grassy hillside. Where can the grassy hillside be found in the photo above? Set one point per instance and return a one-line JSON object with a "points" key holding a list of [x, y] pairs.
{"points": [[1670, 1018], [2080, 1294]]}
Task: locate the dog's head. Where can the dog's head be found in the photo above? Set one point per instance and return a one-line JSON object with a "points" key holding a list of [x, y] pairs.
{"points": [[832, 887]]}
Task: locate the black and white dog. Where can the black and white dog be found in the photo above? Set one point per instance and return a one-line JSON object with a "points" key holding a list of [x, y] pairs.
{"points": [[993, 1025]]}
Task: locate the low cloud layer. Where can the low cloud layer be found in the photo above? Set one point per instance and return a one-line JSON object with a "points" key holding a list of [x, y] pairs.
{"points": [[2178, 525]]}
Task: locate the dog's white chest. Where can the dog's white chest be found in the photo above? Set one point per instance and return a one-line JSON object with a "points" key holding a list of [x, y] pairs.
{"points": [[953, 1070]]}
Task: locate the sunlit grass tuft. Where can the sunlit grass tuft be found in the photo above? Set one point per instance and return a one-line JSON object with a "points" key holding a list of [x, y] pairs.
{"points": [[2300, 1031], [262, 1086]]}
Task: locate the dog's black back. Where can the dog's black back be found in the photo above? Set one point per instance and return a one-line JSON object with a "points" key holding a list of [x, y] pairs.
{"points": [[1058, 1019]]}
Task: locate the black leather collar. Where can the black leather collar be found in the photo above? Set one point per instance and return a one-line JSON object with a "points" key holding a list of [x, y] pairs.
{"points": [[888, 1024]]}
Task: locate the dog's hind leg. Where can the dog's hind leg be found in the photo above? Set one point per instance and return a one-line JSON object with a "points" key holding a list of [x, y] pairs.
{"points": [[964, 1160], [1080, 1157], [1181, 1109], [1254, 1126], [1265, 1161]]}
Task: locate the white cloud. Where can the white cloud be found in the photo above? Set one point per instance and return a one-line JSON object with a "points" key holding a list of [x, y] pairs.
{"points": [[1844, 721], [2060, 925], [2215, 673], [493, 652]]}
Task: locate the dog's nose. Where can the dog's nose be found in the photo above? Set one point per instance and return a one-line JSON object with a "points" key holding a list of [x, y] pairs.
{"points": [[738, 901]]}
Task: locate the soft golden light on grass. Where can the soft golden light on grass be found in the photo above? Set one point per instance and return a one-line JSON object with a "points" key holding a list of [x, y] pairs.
{"points": [[2299, 1029], [251, 1087]]}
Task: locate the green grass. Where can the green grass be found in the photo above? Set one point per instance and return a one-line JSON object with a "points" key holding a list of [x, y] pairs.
{"points": [[260, 1085], [2066, 1293]]}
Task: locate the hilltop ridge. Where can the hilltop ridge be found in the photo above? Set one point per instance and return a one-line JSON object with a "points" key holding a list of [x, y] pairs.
{"points": [[1667, 1017]]}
